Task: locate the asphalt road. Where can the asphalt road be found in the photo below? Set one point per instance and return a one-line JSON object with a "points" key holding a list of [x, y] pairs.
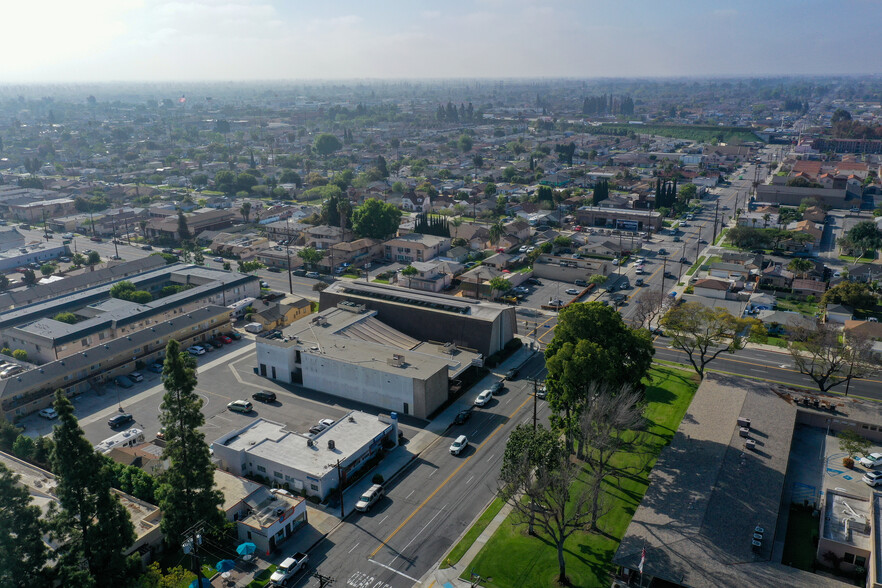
{"points": [[432, 502]]}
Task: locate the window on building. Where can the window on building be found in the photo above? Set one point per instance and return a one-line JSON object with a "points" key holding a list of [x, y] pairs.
{"points": [[860, 560], [278, 475], [260, 468], [314, 487]]}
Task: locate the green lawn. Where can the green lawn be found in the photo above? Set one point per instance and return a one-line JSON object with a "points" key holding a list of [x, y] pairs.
{"points": [[808, 308], [469, 538], [772, 340], [713, 259], [263, 578], [799, 548], [865, 259], [513, 559], [721, 236], [695, 266], [380, 281]]}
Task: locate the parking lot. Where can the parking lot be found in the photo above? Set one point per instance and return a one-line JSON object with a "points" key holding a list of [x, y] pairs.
{"points": [[224, 375]]}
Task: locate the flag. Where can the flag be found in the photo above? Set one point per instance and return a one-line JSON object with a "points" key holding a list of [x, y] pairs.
{"points": [[642, 560], [182, 99]]}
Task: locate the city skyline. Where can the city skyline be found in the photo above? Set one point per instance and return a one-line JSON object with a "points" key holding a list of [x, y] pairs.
{"points": [[207, 40]]}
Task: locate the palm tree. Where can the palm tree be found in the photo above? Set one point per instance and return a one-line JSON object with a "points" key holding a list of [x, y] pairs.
{"points": [[800, 266], [766, 218], [497, 231], [245, 210]]}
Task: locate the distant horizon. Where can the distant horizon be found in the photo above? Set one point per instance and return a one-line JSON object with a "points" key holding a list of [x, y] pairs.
{"points": [[254, 41]]}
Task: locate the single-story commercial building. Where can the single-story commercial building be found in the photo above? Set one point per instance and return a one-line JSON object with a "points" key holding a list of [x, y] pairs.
{"points": [[316, 464]]}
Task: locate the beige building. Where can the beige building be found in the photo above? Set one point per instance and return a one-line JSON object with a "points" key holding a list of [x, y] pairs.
{"points": [[569, 269], [415, 247]]}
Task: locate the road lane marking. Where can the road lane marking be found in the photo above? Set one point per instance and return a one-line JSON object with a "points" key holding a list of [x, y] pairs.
{"points": [[444, 483], [491, 457], [433, 472], [383, 519], [362, 580], [353, 547], [394, 571], [411, 492], [426, 526], [469, 481]]}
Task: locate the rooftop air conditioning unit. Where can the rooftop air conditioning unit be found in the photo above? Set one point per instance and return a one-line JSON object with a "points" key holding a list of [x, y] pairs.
{"points": [[309, 443], [331, 444]]}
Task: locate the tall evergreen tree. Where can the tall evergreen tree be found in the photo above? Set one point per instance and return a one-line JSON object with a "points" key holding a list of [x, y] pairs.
{"points": [[186, 495], [92, 527], [22, 551], [183, 228]]}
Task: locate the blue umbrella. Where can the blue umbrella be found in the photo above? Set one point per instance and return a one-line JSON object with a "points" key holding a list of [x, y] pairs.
{"points": [[246, 548], [225, 565], [201, 583]]}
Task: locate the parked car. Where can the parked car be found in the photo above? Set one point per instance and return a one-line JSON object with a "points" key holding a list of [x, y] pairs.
{"points": [[67, 236], [242, 406], [207, 346], [233, 335], [136, 377], [369, 498], [497, 386], [216, 342], [96, 238], [119, 420], [264, 396], [218, 259], [299, 272], [458, 445], [327, 422], [64, 259], [225, 339], [541, 392], [573, 291], [461, 417], [48, 413], [286, 570], [871, 461], [123, 382], [511, 374], [873, 478], [484, 397], [196, 350], [638, 282], [534, 281], [147, 247], [156, 367], [314, 275]]}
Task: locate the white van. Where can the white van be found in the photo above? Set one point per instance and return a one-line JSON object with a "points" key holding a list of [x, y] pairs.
{"points": [[254, 327], [128, 438]]}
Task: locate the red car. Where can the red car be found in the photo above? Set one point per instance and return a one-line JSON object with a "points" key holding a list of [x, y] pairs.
{"points": [[226, 340]]}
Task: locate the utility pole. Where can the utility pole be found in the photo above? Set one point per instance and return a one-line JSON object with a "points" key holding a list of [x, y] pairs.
{"points": [[288, 254], [45, 226], [535, 401], [323, 580], [192, 541], [716, 211], [664, 270], [698, 244], [340, 486], [115, 246]]}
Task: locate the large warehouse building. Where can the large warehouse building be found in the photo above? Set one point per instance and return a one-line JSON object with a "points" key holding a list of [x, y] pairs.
{"points": [[348, 352], [474, 324]]}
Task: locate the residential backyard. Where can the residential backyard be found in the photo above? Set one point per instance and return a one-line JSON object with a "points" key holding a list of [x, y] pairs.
{"points": [[511, 558]]}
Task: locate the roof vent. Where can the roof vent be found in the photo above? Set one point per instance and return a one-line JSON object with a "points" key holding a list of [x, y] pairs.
{"points": [[331, 444], [309, 443]]}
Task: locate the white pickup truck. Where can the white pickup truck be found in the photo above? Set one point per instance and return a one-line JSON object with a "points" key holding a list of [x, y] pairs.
{"points": [[288, 568]]}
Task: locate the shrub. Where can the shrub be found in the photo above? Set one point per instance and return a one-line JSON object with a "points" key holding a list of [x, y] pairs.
{"points": [[314, 499], [6, 351], [20, 354], [848, 462], [378, 479]]}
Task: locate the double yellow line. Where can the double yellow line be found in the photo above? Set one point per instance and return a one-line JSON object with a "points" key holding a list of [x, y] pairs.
{"points": [[444, 483]]}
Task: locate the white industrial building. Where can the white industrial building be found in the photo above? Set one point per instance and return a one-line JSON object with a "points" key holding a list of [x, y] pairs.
{"points": [[306, 462], [346, 351]]}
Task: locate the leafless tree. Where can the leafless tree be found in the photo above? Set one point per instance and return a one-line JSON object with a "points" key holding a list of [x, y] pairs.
{"points": [[650, 307], [827, 356], [608, 426], [558, 499]]}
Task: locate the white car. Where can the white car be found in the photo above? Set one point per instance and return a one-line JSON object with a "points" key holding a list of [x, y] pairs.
{"points": [[484, 397], [871, 461], [873, 478], [218, 259], [573, 291], [523, 249], [458, 445], [196, 350], [49, 413]]}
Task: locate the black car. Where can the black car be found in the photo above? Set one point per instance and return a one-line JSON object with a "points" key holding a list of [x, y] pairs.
{"points": [[234, 335], [461, 417], [120, 420], [684, 260], [147, 247], [264, 396], [168, 250], [299, 272], [511, 374], [534, 281]]}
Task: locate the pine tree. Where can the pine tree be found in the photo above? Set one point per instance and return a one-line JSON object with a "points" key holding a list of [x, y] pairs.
{"points": [[92, 527], [187, 495], [183, 228], [22, 551]]}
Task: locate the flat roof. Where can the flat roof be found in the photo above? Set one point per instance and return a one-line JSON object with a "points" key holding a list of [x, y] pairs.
{"points": [[843, 510], [477, 309], [707, 493], [271, 441]]}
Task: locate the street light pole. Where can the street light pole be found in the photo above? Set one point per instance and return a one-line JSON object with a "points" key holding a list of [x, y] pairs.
{"points": [[288, 255]]}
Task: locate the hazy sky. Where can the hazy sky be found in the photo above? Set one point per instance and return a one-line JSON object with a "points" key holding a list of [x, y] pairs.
{"points": [[107, 40]]}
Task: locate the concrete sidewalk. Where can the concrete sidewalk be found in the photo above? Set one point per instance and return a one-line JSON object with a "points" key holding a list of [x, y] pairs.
{"points": [[451, 575], [323, 520]]}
